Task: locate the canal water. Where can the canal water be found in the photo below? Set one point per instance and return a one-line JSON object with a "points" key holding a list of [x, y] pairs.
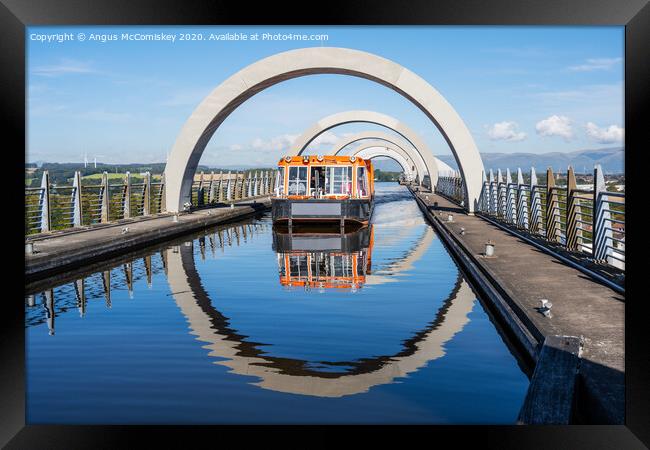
{"points": [[241, 324]]}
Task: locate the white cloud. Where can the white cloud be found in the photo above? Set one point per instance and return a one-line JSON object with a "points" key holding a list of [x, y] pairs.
{"points": [[65, 66], [506, 131], [596, 64], [555, 126], [281, 142], [611, 134]]}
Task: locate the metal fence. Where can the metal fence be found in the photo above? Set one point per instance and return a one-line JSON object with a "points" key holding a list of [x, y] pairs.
{"points": [[219, 188], [52, 207], [585, 220], [452, 187]]}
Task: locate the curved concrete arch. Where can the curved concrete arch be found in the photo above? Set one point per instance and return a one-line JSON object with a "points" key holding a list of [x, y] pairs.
{"points": [[342, 118], [295, 376], [378, 135], [388, 150], [217, 106]]}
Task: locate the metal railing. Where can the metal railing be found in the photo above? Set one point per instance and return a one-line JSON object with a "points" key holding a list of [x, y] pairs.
{"points": [[223, 188], [52, 207], [588, 221], [452, 187]]}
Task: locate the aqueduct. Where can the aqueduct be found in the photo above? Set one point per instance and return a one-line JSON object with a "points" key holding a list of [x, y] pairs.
{"points": [[230, 94]]}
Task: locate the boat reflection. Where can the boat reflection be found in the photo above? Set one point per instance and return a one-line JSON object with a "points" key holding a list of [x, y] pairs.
{"points": [[317, 260]]}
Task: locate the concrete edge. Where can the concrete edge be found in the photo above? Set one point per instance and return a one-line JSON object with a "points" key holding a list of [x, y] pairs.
{"points": [[52, 265]]}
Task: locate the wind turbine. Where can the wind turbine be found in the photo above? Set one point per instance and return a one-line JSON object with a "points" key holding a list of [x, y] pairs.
{"points": [[85, 160], [101, 156]]}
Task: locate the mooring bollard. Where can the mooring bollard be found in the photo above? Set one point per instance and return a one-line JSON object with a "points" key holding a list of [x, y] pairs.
{"points": [[462, 231], [175, 218], [232, 206], [29, 248], [450, 218], [489, 248]]}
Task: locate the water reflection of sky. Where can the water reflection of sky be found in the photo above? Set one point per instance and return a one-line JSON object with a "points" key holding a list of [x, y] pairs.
{"points": [[218, 326]]}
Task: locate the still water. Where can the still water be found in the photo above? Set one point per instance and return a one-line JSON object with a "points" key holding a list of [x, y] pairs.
{"points": [[241, 324]]}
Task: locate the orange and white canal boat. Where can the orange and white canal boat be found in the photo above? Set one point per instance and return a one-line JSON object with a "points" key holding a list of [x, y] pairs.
{"points": [[323, 188]]}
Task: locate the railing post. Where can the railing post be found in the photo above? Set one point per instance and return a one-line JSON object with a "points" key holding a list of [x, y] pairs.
{"points": [[511, 203], [163, 202], [493, 195], [602, 234], [127, 196], [522, 203], [106, 199], [146, 195], [220, 188], [199, 192], [536, 215], [44, 201], [228, 188], [553, 231], [76, 208], [211, 188], [210, 185], [501, 205], [482, 202], [573, 227]]}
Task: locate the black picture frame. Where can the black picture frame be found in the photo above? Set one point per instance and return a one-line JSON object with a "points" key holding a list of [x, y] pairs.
{"points": [[15, 15]]}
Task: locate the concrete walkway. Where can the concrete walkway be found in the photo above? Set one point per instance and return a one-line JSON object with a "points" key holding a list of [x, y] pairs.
{"points": [[581, 306], [60, 251]]}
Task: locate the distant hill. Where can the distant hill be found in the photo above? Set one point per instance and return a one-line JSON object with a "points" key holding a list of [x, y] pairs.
{"points": [[612, 160]]}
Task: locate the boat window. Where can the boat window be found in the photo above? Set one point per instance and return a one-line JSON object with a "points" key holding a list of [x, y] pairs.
{"points": [[279, 182], [338, 180], [297, 181], [362, 182], [317, 181], [341, 265], [298, 265]]}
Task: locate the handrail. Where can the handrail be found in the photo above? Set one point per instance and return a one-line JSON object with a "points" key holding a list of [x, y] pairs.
{"points": [[564, 215], [55, 207]]}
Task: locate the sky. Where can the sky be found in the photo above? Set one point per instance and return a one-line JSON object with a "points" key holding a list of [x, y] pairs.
{"points": [[518, 89]]}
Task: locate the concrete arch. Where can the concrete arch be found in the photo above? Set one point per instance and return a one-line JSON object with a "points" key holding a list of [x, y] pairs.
{"points": [[443, 168], [381, 148], [378, 135], [217, 106], [342, 118], [295, 376], [375, 152]]}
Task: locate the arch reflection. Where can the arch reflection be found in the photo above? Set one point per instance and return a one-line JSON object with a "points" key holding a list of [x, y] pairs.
{"points": [[228, 345], [297, 376]]}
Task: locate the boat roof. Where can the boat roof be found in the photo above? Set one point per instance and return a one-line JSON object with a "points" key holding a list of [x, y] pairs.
{"points": [[322, 159]]}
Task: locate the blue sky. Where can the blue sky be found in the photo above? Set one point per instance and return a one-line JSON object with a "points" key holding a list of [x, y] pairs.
{"points": [[518, 89]]}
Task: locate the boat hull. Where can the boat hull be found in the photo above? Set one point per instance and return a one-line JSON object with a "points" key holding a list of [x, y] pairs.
{"points": [[321, 210]]}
